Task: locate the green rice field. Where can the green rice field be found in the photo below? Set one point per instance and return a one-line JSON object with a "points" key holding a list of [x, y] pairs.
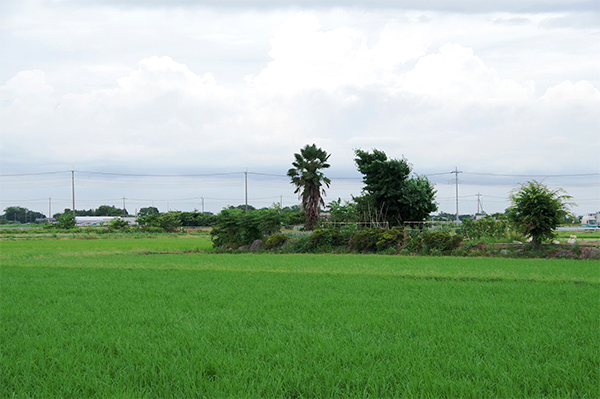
{"points": [[163, 318]]}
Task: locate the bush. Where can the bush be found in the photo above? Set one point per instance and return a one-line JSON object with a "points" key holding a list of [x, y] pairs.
{"points": [[66, 221], [233, 228], [433, 243], [165, 222], [537, 210], [377, 239], [297, 245], [275, 241], [366, 240], [325, 240], [391, 239], [483, 228], [118, 225]]}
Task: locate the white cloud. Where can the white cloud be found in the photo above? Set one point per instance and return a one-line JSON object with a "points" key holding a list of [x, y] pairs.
{"points": [[156, 77], [455, 74], [567, 91], [165, 89], [305, 57], [28, 102]]}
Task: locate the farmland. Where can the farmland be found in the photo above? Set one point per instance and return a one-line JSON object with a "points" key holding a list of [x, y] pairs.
{"points": [[159, 317]]}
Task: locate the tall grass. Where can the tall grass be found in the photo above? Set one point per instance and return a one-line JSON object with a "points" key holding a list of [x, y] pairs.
{"points": [[79, 321]]}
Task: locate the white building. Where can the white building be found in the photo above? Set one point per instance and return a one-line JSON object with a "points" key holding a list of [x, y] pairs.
{"points": [[591, 220], [83, 221]]}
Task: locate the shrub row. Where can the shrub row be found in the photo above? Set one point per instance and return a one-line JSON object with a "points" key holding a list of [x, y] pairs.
{"points": [[487, 227], [371, 240]]}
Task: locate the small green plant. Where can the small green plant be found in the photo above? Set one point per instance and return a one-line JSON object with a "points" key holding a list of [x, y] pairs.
{"points": [[487, 227], [377, 239], [275, 241], [169, 222], [325, 240], [433, 243], [118, 225]]}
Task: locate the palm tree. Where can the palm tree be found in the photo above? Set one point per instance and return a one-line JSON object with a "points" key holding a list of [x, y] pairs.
{"points": [[308, 178]]}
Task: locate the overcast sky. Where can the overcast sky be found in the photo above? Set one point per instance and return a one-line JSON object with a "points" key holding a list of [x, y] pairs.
{"points": [[200, 87]]}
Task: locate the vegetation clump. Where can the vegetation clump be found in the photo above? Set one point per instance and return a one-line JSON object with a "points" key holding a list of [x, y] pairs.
{"points": [[485, 228], [235, 228], [537, 210], [326, 240], [275, 241], [433, 243], [165, 222], [377, 239]]}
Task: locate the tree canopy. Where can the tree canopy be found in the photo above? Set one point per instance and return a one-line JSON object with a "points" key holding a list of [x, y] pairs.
{"points": [[309, 179], [390, 192], [537, 210], [21, 215]]}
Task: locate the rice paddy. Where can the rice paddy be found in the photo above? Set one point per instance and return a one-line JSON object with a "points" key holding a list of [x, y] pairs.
{"points": [[158, 317]]}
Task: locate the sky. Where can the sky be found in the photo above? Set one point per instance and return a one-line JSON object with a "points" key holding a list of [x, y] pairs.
{"points": [[188, 104]]}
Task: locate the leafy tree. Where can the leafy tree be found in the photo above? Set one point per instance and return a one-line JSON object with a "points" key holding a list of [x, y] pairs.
{"points": [[343, 213], [66, 221], [21, 215], [110, 210], [235, 228], [309, 179], [391, 191], [537, 210], [197, 218], [242, 207], [150, 210], [169, 222], [118, 224]]}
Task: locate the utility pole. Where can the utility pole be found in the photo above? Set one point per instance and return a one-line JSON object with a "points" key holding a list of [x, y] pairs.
{"points": [[124, 211], [479, 204], [246, 188], [49, 209], [73, 189], [280, 203], [456, 172], [202, 198]]}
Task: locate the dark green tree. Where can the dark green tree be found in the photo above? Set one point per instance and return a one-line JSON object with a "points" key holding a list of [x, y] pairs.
{"points": [[308, 177], [21, 215], [169, 222], [235, 228], [343, 213], [118, 224], [536, 210], [242, 207], [109, 210], [150, 210], [390, 192], [66, 221], [197, 219], [293, 215]]}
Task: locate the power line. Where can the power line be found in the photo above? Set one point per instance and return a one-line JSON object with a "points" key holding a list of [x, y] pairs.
{"points": [[158, 175], [34, 174], [510, 175], [279, 175]]}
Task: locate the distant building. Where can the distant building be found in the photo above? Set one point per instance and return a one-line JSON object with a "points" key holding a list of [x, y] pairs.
{"points": [[591, 220], [83, 221]]}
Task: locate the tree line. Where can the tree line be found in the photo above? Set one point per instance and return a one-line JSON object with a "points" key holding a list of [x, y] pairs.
{"points": [[392, 196]]}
